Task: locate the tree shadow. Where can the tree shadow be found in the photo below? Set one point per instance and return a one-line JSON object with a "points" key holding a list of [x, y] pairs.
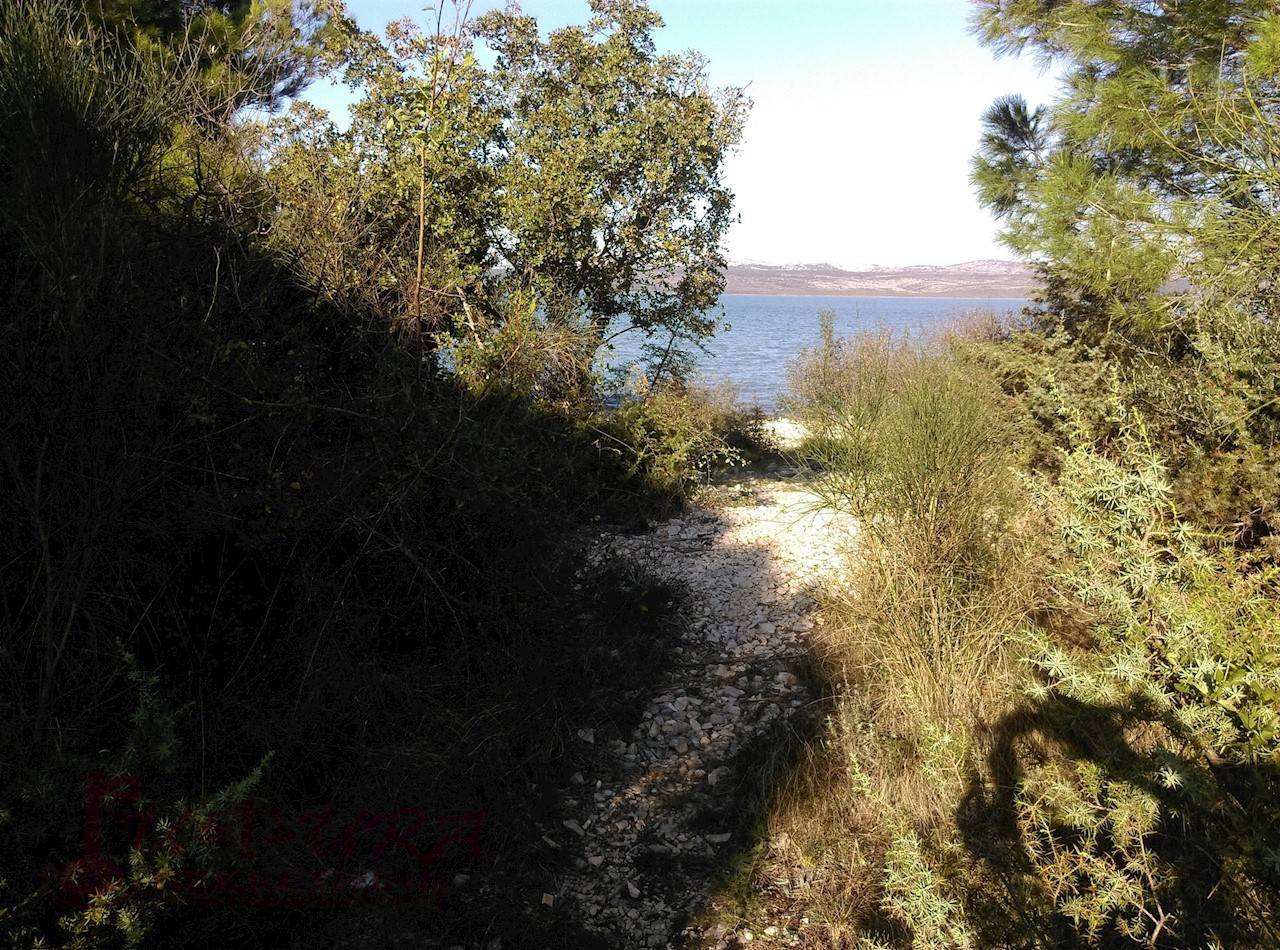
{"points": [[273, 538], [708, 788], [1197, 866]]}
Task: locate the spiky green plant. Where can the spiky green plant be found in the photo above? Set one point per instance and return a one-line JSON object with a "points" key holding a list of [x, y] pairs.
{"points": [[1149, 811]]}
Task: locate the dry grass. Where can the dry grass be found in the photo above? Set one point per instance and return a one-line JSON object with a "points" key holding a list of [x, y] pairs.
{"points": [[954, 800], [918, 658]]}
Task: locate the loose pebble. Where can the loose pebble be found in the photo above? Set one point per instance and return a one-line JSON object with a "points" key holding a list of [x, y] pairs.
{"points": [[750, 572]]}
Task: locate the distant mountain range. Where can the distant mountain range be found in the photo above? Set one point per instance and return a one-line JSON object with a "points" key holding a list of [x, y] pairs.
{"points": [[1003, 279]]}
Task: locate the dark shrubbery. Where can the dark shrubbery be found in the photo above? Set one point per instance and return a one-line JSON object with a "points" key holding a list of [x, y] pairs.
{"points": [[255, 551]]}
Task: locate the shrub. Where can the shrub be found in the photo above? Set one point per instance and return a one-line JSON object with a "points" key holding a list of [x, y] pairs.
{"points": [[670, 436], [1160, 826], [1207, 392], [1124, 792], [241, 525], [917, 645], [521, 357], [918, 448]]}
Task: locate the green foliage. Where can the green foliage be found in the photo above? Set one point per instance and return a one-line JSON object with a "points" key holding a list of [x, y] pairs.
{"points": [[83, 124], [246, 53], [837, 378], [1188, 635], [914, 894], [248, 541], [1013, 144], [672, 435], [330, 217], [423, 149], [1208, 395], [1153, 163], [917, 641], [1130, 796], [582, 171], [912, 443], [917, 446], [613, 197], [1213, 413], [522, 356], [1156, 828]]}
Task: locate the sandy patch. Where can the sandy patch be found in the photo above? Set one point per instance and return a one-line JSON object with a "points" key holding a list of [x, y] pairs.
{"points": [[786, 432]]}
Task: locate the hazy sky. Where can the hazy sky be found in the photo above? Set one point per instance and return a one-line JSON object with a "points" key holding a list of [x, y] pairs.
{"points": [[866, 114]]}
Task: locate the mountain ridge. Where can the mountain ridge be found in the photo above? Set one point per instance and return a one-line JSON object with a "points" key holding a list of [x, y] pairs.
{"points": [[979, 278]]}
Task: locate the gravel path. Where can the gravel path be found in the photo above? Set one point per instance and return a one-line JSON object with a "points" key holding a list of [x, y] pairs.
{"points": [[643, 831]]}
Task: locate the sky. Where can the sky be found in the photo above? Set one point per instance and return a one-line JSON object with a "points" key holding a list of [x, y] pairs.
{"points": [[866, 115]]}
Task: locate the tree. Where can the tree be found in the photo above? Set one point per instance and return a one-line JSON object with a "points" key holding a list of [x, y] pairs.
{"points": [[1161, 150], [1158, 161], [251, 53], [407, 196], [581, 172], [613, 201]]}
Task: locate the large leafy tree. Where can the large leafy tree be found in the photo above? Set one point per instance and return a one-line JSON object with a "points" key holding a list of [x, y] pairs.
{"points": [[580, 175], [613, 200]]}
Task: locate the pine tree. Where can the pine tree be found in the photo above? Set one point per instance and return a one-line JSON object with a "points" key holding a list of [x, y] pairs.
{"points": [[1159, 152]]}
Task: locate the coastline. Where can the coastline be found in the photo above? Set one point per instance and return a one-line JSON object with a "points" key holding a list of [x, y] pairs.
{"points": [[786, 433], [1006, 280], [967, 293]]}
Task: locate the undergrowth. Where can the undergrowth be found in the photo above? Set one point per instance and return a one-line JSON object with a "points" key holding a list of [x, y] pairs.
{"points": [[1054, 692], [294, 641]]}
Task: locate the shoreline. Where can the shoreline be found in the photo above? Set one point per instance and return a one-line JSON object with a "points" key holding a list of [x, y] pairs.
{"points": [[880, 292], [787, 433]]}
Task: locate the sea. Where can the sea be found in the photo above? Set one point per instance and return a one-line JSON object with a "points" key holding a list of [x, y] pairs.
{"points": [[764, 333]]}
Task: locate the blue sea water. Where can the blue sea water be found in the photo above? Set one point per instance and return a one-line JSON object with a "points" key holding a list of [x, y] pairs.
{"points": [[766, 332]]}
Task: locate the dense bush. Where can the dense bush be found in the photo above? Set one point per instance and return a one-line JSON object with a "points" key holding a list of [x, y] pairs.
{"points": [[255, 550], [1141, 779], [1206, 394], [916, 649], [676, 433], [1055, 699]]}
